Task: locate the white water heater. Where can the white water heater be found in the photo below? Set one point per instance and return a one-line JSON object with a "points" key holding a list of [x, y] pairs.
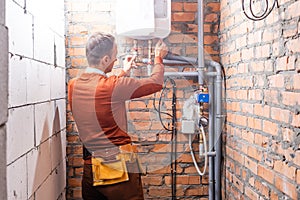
{"points": [[143, 19]]}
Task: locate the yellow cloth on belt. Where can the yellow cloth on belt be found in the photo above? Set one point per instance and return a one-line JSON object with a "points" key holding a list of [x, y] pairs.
{"points": [[109, 166], [109, 172]]}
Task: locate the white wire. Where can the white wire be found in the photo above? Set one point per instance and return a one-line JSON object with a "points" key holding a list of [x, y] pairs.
{"points": [[205, 152]]}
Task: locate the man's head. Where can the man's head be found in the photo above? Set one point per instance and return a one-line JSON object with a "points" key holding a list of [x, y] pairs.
{"points": [[101, 51]]}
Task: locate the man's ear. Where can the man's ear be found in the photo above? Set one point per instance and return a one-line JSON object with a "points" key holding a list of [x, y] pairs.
{"points": [[105, 60]]}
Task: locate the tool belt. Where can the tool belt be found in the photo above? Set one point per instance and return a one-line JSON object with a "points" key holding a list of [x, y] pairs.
{"points": [[109, 165]]}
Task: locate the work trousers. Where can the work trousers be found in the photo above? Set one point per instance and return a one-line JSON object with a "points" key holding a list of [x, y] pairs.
{"points": [[128, 190]]}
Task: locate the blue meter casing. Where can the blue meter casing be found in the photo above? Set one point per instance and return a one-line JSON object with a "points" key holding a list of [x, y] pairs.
{"points": [[202, 98]]}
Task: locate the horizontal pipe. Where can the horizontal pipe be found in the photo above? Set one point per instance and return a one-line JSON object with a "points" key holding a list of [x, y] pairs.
{"points": [[184, 74]]}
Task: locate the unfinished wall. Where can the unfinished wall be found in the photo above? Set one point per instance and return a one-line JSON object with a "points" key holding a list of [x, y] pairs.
{"points": [[3, 98], [86, 17], [261, 60], [36, 104]]}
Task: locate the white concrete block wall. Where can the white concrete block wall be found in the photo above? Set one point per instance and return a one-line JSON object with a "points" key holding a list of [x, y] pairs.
{"points": [[36, 127], [20, 30], [3, 99], [44, 120], [20, 129], [17, 81], [3, 74], [17, 180]]}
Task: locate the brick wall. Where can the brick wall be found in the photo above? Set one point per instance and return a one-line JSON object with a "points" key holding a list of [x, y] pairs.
{"points": [[261, 60], [36, 127], [85, 17], [3, 98]]}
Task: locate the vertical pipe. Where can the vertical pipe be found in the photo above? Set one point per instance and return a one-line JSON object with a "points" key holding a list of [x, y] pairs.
{"points": [[211, 126], [200, 43], [218, 128]]}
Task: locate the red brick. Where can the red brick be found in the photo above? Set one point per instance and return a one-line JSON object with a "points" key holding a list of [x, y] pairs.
{"points": [[280, 115], [247, 54], [296, 120], [75, 161], [190, 7], [212, 17], [76, 51], [241, 120], [201, 190], [293, 10], [254, 153], [265, 173], [242, 94], [238, 184], [298, 177], [177, 6], [213, 6], [162, 191], [261, 140], [271, 96], [238, 157], [262, 188], [254, 123], [290, 98], [76, 193], [74, 182], [209, 39], [285, 170], [270, 127], [142, 126], [79, 62], [73, 139], [251, 193], [77, 29], [276, 81], [184, 180], [183, 17], [285, 186], [152, 180]]}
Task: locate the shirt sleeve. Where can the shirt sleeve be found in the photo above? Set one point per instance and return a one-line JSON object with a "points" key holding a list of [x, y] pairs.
{"points": [[129, 88]]}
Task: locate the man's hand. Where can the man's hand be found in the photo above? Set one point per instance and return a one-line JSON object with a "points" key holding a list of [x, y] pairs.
{"points": [[161, 49], [128, 63]]}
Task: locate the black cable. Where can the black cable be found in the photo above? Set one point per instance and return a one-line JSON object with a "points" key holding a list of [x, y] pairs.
{"points": [[174, 131], [265, 13], [174, 140], [159, 107]]}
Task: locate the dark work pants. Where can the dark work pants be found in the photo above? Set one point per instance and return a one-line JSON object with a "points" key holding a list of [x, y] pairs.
{"points": [[128, 190]]}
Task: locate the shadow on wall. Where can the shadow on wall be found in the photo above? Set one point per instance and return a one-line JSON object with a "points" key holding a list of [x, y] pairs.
{"points": [[49, 179]]}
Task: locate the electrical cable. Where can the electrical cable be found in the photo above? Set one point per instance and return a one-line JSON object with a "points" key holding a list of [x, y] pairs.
{"points": [[205, 151], [158, 110], [174, 140], [174, 131], [265, 13]]}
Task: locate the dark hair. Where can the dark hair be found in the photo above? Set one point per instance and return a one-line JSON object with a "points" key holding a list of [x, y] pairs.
{"points": [[99, 45]]}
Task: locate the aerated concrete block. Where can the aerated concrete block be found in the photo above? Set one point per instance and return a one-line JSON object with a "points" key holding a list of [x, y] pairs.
{"points": [[3, 75], [43, 115], [2, 12], [39, 167], [17, 179], [38, 82], [17, 81], [20, 132], [20, 30], [3, 162]]}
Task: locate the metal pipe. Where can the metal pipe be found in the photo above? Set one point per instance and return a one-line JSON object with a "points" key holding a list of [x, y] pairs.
{"points": [[217, 125], [168, 62], [190, 60], [184, 74], [211, 190], [200, 43]]}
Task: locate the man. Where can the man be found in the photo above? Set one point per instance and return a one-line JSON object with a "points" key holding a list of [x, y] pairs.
{"points": [[98, 106]]}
